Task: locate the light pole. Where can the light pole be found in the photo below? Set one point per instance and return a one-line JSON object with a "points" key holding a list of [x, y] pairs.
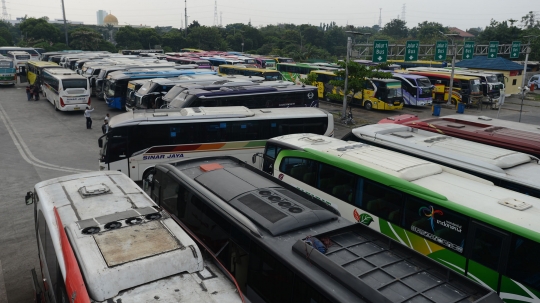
{"points": [[453, 66], [65, 23], [345, 89], [527, 52]]}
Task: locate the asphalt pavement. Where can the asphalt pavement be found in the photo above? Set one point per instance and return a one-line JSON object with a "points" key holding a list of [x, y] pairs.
{"points": [[39, 143]]}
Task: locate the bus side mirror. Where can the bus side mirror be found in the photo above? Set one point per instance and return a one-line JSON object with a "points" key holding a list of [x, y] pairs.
{"points": [[254, 157], [100, 142], [29, 199]]}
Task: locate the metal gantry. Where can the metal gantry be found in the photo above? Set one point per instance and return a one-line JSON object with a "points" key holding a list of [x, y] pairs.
{"points": [[397, 51]]}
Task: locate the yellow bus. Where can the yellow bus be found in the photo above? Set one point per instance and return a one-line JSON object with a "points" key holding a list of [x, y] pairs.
{"points": [[34, 69], [380, 94], [267, 74]]}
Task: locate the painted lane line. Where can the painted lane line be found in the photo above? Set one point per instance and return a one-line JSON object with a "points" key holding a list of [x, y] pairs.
{"points": [[24, 151], [3, 293]]}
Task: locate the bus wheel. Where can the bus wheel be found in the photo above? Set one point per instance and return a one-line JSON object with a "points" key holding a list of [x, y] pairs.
{"points": [[368, 105], [56, 107]]}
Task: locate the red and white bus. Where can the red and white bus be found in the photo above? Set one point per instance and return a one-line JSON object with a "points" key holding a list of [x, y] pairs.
{"points": [[101, 239]]}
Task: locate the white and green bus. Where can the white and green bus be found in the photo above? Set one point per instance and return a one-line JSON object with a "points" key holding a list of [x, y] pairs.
{"points": [[296, 71], [488, 233]]}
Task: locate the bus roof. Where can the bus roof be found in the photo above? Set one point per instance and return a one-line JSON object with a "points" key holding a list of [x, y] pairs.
{"points": [[409, 76], [497, 161], [243, 90], [281, 218], [210, 113], [43, 64], [491, 203], [116, 232], [445, 75]]}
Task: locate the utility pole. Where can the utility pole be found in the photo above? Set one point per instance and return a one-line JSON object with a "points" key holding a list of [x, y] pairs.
{"points": [[185, 2], [523, 88], [345, 91], [215, 14], [454, 51], [65, 22]]}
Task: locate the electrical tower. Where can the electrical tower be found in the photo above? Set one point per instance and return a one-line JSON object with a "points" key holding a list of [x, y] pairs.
{"points": [[403, 12], [380, 18], [185, 16], [215, 14], [5, 16]]}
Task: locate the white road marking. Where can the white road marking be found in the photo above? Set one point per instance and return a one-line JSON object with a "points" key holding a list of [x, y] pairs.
{"points": [[25, 152], [3, 293]]}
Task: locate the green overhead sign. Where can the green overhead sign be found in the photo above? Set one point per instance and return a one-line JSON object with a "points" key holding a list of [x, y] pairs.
{"points": [[493, 49], [380, 51], [514, 51], [468, 50], [441, 48], [411, 50]]}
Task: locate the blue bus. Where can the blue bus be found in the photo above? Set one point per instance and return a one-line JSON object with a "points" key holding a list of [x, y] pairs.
{"points": [[115, 86]]}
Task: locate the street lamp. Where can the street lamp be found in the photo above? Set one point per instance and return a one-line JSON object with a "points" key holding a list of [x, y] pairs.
{"points": [[453, 66], [345, 89]]}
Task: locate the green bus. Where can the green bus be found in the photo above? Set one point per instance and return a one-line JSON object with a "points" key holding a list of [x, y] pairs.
{"points": [[488, 233], [296, 71]]}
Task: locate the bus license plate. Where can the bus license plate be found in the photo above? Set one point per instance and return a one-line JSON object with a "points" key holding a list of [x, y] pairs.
{"points": [[397, 103], [76, 108]]}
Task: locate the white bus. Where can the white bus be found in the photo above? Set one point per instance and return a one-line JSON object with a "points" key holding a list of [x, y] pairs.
{"points": [[65, 89], [19, 59], [505, 168], [100, 238], [139, 140], [486, 232]]}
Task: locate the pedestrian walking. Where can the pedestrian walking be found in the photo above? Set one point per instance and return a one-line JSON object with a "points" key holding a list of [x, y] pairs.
{"points": [[107, 117], [88, 117], [36, 93], [28, 93], [105, 126]]}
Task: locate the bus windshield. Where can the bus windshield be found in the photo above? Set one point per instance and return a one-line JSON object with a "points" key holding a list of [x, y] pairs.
{"points": [[146, 87], [5, 64], [179, 101], [110, 86], [425, 87], [491, 79], [22, 57], [173, 92], [75, 83]]}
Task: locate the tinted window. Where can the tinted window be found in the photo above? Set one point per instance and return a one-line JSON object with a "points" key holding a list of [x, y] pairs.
{"points": [[524, 264], [486, 248], [381, 201], [442, 226], [75, 83], [303, 170]]}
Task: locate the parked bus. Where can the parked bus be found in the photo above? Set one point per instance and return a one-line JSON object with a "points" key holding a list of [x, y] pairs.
{"points": [[420, 63], [217, 61], [516, 136], [296, 71], [382, 66], [19, 60], [267, 63], [488, 233], [8, 73], [260, 228], [115, 86], [416, 90], [380, 94], [4, 50], [267, 74], [191, 50], [34, 70], [248, 96], [505, 168], [113, 244], [284, 60], [65, 89], [139, 51], [489, 83], [139, 140], [465, 89], [200, 63]]}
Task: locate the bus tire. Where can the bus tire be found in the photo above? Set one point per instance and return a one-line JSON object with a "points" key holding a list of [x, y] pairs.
{"points": [[56, 107], [368, 105]]}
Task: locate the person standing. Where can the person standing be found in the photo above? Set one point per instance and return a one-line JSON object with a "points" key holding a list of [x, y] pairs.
{"points": [[28, 93], [36, 93], [88, 117], [105, 126], [107, 117]]}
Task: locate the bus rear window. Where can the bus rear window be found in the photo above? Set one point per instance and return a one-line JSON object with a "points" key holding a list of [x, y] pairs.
{"points": [[5, 64], [75, 83], [23, 57]]}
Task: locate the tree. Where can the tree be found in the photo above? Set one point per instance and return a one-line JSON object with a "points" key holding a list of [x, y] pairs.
{"points": [[85, 39], [127, 37], [205, 37], [529, 21], [148, 37], [430, 31], [498, 31], [396, 28], [358, 75], [39, 29], [174, 39], [6, 35]]}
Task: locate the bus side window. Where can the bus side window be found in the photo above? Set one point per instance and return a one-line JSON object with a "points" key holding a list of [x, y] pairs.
{"points": [[524, 264], [440, 225], [382, 201]]}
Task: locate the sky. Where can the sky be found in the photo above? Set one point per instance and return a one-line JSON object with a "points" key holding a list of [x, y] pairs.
{"points": [[463, 14]]}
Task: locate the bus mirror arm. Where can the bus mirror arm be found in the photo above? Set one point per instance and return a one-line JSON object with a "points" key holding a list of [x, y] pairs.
{"points": [[254, 157], [29, 199]]}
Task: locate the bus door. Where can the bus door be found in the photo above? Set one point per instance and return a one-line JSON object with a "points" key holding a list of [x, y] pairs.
{"points": [[117, 154], [487, 254], [269, 157]]}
